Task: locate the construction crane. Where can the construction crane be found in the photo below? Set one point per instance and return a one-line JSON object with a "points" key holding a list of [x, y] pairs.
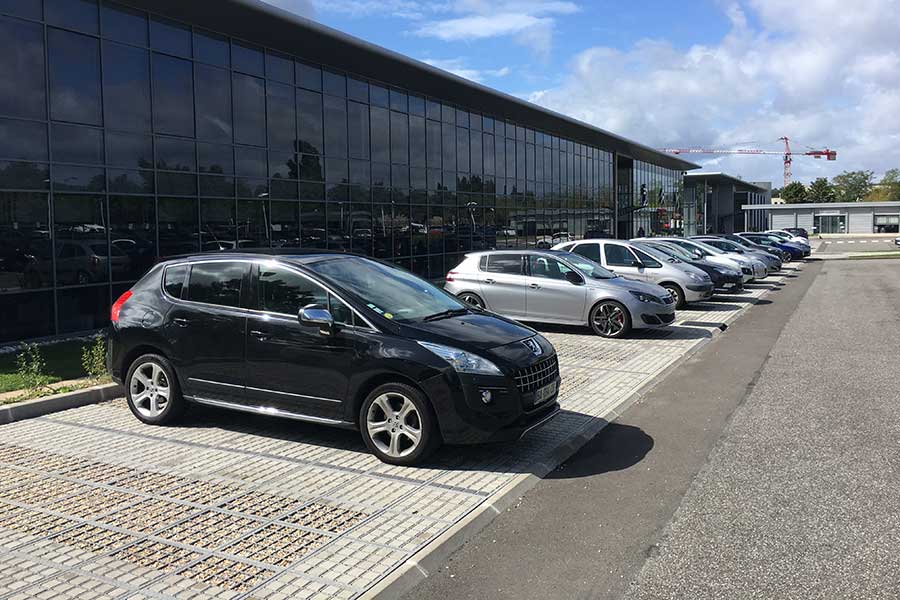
{"points": [[787, 154]]}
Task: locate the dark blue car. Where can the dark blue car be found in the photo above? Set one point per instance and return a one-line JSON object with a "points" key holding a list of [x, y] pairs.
{"points": [[795, 251]]}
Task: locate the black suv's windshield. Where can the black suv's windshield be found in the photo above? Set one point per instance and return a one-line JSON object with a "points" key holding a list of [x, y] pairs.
{"points": [[389, 291]]}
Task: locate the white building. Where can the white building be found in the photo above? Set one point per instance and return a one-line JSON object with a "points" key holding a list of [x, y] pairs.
{"points": [[830, 217]]}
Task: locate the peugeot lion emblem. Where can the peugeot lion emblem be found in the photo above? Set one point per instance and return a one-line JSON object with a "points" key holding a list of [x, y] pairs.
{"points": [[532, 345]]}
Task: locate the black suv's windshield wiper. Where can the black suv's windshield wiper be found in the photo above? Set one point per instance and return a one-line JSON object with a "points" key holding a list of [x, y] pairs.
{"points": [[446, 314]]}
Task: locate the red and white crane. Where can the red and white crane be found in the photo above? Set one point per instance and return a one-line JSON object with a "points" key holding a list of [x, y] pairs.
{"points": [[787, 154]]}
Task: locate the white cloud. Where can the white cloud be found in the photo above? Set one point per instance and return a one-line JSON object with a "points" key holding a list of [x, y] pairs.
{"points": [[529, 23], [458, 66], [827, 74]]}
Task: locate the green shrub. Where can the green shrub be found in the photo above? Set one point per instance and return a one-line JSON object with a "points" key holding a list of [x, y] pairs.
{"points": [[93, 358], [30, 367]]}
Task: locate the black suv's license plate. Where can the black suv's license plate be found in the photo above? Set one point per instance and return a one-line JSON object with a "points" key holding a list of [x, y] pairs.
{"points": [[541, 395]]}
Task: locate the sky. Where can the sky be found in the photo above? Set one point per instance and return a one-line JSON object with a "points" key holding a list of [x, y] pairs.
{"points": [[720, 74]]}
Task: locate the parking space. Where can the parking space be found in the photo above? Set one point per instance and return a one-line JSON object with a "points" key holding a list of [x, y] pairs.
{"points": [[95, 504]]}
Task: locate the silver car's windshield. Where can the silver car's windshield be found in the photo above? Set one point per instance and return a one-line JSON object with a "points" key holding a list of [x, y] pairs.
{"points": [[707, 247], [588, 268], [673, 250], [389, 291], [657, 253]]}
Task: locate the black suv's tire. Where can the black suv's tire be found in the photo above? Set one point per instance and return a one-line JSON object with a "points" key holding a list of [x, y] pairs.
{"points": [[398, 424], [677, 293], [610, 319], [152, 390]]}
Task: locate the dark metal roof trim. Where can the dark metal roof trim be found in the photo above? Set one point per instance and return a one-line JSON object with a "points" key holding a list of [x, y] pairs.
{"points": [[721, 178], [264, 24]]}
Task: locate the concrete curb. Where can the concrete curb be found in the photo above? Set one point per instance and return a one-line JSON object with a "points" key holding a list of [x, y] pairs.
{"points": [[429, 559], [57, 402]]}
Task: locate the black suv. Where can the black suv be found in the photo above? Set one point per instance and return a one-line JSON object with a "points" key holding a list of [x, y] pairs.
{"points": [[329, 338]]}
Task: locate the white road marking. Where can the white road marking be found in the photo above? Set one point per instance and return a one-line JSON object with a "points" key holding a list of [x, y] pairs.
{"points": [[840, 242]]}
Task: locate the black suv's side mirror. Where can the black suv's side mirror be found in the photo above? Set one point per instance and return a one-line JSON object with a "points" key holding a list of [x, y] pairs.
{"points": [[316, 315], [574, 278]]}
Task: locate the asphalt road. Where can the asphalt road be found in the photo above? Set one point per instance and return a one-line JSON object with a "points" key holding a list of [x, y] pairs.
{"points": [[588, 528], [800, 497]]}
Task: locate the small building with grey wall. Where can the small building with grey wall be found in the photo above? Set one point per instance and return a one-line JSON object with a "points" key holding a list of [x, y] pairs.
{"points": [[829, 217]]}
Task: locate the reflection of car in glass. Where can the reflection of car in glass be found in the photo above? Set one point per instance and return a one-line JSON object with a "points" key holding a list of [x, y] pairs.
{"points": [[86, 261], [546, 242], [550, 286], [331, 339]]}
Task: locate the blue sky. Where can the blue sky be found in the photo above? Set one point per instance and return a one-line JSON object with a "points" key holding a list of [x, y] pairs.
{"points": [[714, 73]]}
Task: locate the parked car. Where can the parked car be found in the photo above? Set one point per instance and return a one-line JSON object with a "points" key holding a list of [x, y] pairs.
{"points": [[724, 279], [684, 282], [747, 267], [84, 261], [550, 286], [333, 339], [763, 239], [798, 231], [897, 241], [784, 255], [794, 239], [772, 262]]}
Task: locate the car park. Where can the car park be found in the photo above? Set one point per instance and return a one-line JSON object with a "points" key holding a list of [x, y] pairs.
{"points": [[794, 251], [551, 286], [332, 339], [794, 239], [684, 282], [724, 279], [772, 262], [751, 269], [784, 255], [797, 231]]}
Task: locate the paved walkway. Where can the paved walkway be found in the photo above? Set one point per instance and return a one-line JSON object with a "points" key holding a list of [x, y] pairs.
{"points": [[799, 498], [93, 504]]}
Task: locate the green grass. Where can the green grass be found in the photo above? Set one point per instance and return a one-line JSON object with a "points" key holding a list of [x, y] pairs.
{"points": [[63, 362]]}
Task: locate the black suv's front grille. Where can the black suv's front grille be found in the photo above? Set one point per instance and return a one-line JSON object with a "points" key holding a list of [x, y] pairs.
{"points": [[537, 375]]}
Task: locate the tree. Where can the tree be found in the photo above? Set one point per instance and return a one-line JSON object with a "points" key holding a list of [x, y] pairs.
{"points": [[794, 193], [853, 186], [890, 185], [820, 191]]}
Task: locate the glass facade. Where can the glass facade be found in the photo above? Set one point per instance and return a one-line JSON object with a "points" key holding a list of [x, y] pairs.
{"points": [[126, 137], [658, 204]]}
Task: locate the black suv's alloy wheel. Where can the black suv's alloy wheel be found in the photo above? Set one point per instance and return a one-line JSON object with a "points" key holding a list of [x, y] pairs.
{"points": [[152, 390], [398, 425]]}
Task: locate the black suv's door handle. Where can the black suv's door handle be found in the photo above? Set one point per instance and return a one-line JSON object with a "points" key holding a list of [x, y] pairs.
{"points": [[181, 321], [260, 335]]}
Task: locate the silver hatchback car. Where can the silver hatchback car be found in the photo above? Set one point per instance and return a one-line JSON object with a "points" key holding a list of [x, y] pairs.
{"points": [[684, 282], [550, 286]]}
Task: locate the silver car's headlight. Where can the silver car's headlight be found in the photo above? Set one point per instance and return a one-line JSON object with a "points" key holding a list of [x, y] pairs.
{"points": [[645, 297], [694, 276], [462, 361]]}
